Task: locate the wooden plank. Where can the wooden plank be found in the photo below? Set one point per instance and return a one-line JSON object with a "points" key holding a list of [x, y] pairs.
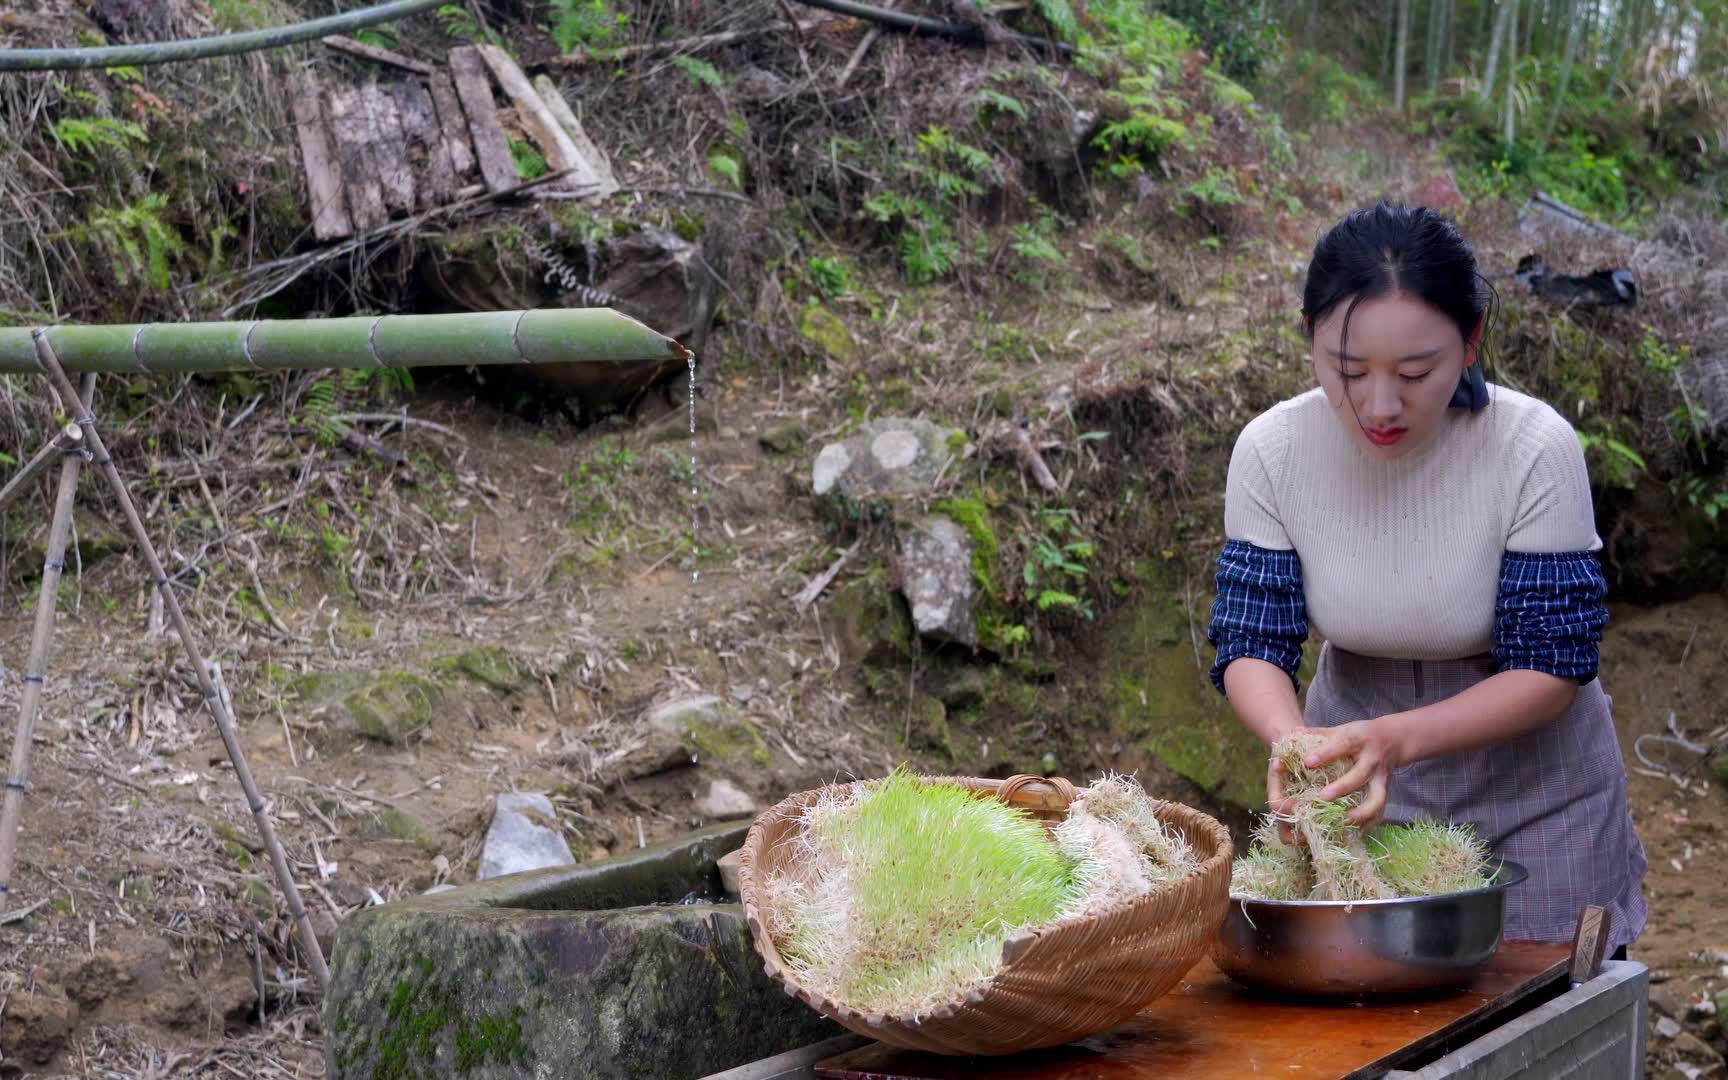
{"points": [[427, 157], [330, 219], [452, 124], [1211, 1029], [351, 132], [474, 90], [388, 147], [372, 52], [594, 169], [536, 119]]}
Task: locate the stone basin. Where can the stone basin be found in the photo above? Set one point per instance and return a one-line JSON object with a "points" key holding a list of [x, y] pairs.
{"points": [[630, 966]]}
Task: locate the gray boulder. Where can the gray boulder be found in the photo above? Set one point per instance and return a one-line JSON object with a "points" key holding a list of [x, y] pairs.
{"points": [[886, 458], [524, 835], [936, 576]]}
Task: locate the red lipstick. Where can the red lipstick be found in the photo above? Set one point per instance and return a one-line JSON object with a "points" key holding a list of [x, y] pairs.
{"points": [[1384, 436]]}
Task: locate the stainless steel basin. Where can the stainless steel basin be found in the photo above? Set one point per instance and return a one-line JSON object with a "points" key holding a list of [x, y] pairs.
{"points": [[1358, 948]]}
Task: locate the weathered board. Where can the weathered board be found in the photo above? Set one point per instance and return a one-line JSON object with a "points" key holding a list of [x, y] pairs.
{"points": [[350, 130], [426, 157], [474, 89], [324, 192], [531, 112], [453, 124]]}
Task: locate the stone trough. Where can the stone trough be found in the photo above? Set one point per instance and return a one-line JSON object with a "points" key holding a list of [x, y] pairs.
{"points": [[639, 965]]}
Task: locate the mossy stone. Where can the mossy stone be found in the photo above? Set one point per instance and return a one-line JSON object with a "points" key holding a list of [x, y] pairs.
{"points": [[488, 665], [396, 825], [392, 706], [824, 329]]}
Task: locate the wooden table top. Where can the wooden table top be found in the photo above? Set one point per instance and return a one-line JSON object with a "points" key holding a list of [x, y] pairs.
{"points": [[1209, 1027]]}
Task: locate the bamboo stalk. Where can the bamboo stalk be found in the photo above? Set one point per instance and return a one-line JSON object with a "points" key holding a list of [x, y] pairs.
{"points": [[30, 701], [217, 703], [37, 465], [538, 336]]}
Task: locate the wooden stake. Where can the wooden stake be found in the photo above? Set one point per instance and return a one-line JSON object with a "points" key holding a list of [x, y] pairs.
{"points": [[348, 45], [594, 169], [39, 464], [30, 701], [212, 698], [330, 219]]}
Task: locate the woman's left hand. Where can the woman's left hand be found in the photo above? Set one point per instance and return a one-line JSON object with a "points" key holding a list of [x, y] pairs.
{"points": [[1373, 745]]}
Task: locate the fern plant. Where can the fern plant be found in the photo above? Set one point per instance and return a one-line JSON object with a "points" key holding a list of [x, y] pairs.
{"points": [[141, 246], [83, 135], [587, 24]]}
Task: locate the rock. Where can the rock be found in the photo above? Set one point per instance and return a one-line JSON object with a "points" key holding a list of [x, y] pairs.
{"points": [[1667, 1027], [782, 438], [927, 726], [323, 928], [823, 328], [886, 458], [936, 575], [728, 867], [524, 835], [689, 731], [38, 1024], [490, 666], [562, 973], [1665, 1002], [724, 801], [396, 825], [1692, 1049], [871, 622], [441, 887], [388, 706], [957, 688]]}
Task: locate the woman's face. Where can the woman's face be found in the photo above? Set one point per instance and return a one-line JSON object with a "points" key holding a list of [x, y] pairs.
{"points": [[1393, 388]]}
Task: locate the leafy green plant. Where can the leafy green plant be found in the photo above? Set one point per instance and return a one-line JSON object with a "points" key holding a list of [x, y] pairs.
{"points": [[530, 163], [728, 167], [459, 22], [82, 135], [378, 39], [1059, 15], [701, 72], [587, 24], [829, 276], [140, 244], [1055, 568], [1618, 464], [996, 100]]}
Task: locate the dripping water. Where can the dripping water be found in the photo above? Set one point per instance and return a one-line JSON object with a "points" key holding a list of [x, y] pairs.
{"points": [[694, 551]]}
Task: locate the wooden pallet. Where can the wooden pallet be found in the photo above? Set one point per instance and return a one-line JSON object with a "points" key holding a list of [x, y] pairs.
{"points": [[377, 151]]}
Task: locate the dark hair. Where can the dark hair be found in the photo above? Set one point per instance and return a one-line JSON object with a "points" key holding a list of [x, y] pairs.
{"points": [[1389, 248]]}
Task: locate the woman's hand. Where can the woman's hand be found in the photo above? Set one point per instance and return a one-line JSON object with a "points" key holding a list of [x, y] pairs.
{"points": [[1375, 746]]}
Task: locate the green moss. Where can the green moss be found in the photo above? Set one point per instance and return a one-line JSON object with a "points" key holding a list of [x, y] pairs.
{"points": [[395, 825], [421, 1010], [393, 706], [824, 329], [973, 515], [487, 665], [725, 739]]}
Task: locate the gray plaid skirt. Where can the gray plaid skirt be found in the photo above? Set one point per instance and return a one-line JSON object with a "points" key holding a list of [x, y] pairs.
{"points": [[1553, 800]]}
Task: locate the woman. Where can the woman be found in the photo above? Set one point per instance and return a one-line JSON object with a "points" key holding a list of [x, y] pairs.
{"points": [[1439, 533]]}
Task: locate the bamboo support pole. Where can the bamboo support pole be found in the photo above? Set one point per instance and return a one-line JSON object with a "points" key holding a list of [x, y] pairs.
{"points": [[50, 364], [30, 701], [39, 464]]}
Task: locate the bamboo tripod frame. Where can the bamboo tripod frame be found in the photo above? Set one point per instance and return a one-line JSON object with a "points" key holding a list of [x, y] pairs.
{"points": [[79, 441]]}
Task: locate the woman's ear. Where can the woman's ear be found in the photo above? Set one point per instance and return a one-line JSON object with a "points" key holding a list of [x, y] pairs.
{"points": [[1473, 343]]}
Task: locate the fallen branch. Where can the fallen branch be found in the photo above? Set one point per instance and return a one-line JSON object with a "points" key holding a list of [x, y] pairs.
{"points": [[1034, 461], [348, 45], [852, 62], [19, 914], [677, 45], [808, 594]]}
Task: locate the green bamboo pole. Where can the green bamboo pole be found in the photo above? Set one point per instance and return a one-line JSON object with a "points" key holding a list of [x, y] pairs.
{"points": [[35, 667], [162, 52], [537, 336]]}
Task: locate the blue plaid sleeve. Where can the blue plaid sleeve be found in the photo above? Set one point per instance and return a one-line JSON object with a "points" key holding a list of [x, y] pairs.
{"points": [[1259, 611], [1550, 613]]}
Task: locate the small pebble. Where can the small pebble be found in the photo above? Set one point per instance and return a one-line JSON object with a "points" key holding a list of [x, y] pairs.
{"points": [[1667, 1027]]}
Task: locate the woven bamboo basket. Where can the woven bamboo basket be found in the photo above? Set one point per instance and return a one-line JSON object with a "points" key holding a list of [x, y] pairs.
{"points": [[1058, 984]]}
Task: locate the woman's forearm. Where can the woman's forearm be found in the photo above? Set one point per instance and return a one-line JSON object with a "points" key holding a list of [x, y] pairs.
{"points": [[1498, 708], [1263, 697]]}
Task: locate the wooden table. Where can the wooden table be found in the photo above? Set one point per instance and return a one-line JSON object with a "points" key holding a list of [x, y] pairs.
{"points": [[1208, 1027]]}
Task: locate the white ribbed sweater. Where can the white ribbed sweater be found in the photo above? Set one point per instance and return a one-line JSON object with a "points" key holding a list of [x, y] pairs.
{"points": [[1401, 557]]}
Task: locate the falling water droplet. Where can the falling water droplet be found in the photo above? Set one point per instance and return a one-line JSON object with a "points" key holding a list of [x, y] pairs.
{"points": [[694, 572]]}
